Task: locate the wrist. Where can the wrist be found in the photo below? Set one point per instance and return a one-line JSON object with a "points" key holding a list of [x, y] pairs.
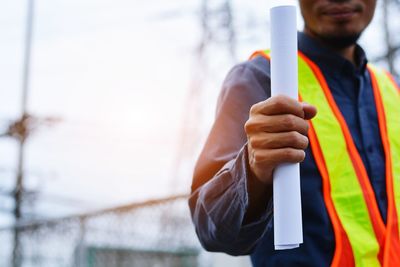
{"points": [[259, 194]]}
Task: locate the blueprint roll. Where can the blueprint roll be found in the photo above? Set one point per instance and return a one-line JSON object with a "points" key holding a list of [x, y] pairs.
{"points": [[288, 228]]}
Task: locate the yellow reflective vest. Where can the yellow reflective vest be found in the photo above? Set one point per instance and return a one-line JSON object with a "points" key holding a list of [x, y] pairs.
{"points": [[362, 238]]}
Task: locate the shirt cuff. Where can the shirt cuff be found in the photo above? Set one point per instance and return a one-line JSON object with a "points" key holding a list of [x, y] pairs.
{"points": [[247, 183]]}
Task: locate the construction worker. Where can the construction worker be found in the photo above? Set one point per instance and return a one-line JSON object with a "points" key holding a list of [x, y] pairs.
{"points": [[347, 138]]}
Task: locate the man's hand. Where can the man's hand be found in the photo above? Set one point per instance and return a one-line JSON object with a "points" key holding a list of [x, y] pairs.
{"points": [[277, 133]]}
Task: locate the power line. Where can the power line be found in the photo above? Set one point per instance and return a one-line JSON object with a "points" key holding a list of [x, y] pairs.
{"points": [[54, 199]]}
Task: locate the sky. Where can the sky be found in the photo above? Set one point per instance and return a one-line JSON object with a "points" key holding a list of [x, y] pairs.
{"points": [[117, 73]]}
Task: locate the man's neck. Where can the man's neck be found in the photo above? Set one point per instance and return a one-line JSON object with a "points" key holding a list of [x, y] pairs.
{"points": [[347, 52]]}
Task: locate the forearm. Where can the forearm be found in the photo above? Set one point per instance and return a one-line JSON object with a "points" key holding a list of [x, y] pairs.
{"points": [[230, 213]]}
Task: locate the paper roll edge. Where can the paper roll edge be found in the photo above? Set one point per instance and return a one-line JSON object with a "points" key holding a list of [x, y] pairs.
{"points": [[280, 3], [285, 247]]}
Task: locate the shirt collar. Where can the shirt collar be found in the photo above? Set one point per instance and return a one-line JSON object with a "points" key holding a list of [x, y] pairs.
{"points": [[321, 54]]}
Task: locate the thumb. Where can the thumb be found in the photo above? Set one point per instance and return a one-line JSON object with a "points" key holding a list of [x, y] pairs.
{"points": [[309, 111]]}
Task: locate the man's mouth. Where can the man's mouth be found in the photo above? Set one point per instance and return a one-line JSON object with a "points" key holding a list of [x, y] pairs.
{"points": [[339, 13]]}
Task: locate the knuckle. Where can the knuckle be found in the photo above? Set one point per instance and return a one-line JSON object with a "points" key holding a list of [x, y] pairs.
{"points": [[246, 126], [281, 98], [249, 125], [253, 142], [289, 121], [293, 137], [253, 109], [257, 156], [277, 102], [288, 154], [294, 155]]}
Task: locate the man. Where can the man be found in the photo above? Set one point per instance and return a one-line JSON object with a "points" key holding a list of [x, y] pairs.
{"points": [[349, 175]]}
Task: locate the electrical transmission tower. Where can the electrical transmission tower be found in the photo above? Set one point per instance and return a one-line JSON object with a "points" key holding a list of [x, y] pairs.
{"points": [[392, 49], [217, 31]]}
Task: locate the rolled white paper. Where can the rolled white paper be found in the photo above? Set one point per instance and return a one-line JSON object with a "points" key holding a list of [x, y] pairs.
{"points": [[288, 229]]}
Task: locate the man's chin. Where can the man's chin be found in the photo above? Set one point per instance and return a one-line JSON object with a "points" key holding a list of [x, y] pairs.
{"points": [[340, 41]]}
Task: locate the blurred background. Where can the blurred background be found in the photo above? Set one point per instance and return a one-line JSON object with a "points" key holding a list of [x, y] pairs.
{"points": [[104, 107]]}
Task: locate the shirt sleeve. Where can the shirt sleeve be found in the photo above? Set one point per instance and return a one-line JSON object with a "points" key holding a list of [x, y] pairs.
{"points": [[222, 183]]}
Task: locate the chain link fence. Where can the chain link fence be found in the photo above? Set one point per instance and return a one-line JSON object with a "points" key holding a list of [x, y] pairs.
{"points": [[156, 233]]}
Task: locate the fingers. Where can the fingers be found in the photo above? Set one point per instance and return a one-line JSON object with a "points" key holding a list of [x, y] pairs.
{"points": [[279, 140], [273, 157], [281, 104], [276, 124], [278, 105], [276, 133]]}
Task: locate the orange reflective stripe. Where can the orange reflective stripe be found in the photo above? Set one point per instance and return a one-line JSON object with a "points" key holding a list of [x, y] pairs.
{"points": [[392, 245], [343, 256]]}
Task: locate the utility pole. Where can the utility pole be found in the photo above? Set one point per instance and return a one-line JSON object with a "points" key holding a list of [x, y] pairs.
{"points": [[20, 130]]}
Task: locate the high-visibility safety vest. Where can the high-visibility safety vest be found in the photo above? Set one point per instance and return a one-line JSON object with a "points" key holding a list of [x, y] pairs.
{"points": [[361, 236]]}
